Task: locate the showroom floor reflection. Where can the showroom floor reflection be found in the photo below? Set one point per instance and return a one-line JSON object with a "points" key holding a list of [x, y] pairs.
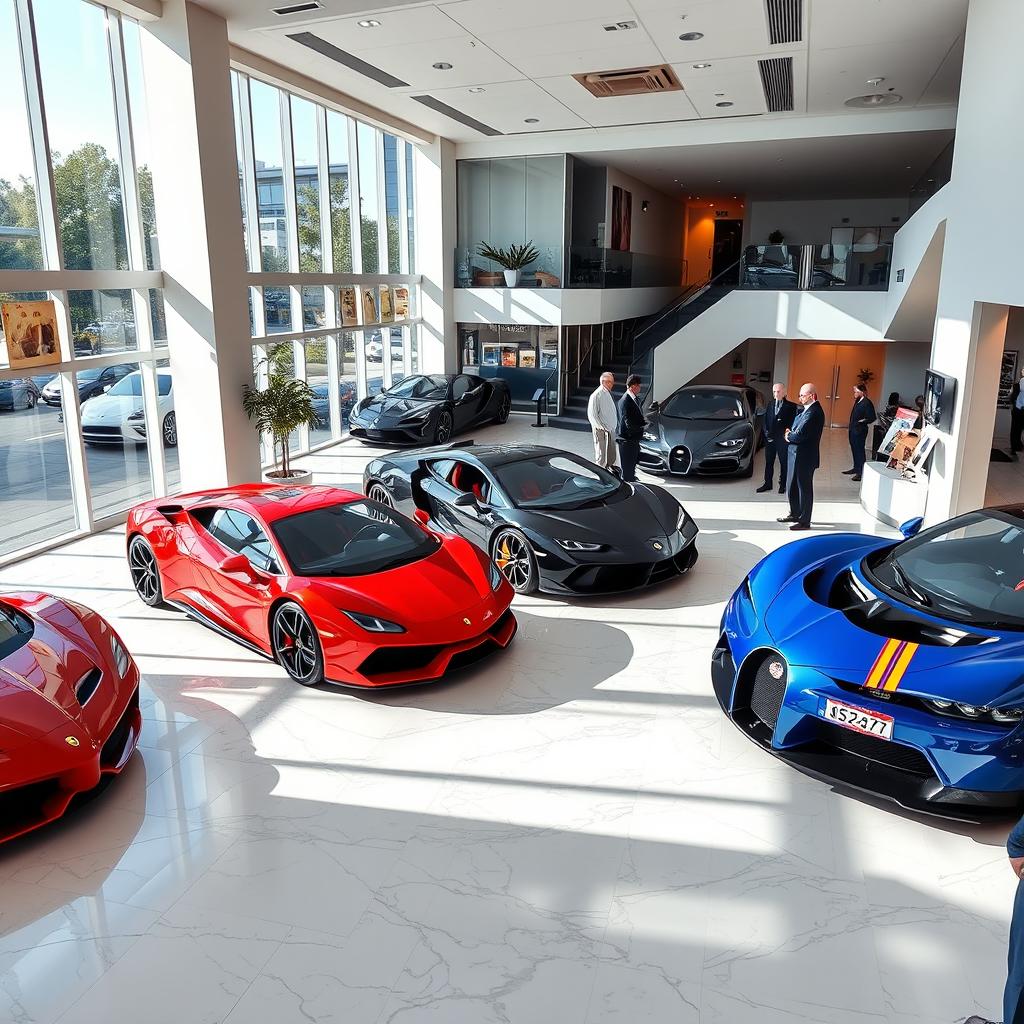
{"points": [[570, 832]]}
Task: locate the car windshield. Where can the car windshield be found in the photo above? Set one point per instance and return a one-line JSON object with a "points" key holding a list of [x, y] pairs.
{"points": [[970, 569], [420, 387], [132, 385], [88, 375], [351, 539], [697, 404], [555, 481]]}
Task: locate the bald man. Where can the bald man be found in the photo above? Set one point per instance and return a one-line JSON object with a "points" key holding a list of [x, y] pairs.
{"points": [[603, 421], [804, 441]]}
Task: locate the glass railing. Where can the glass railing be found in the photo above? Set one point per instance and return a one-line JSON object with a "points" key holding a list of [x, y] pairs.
{"points": [[588, 267], [935, 177], [816, 266]]}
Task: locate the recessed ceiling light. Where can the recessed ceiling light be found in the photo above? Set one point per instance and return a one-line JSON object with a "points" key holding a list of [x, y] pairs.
{"points": [[875, 81], [691, 37], [531, 120], [697, 67], [478, 88], [368, 23], [441, 65], [719, 93], [877, 99], [724, 103]]}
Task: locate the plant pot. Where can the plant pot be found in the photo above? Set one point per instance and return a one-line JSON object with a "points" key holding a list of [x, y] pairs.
{"points": [[296, 478], [512, 278]]}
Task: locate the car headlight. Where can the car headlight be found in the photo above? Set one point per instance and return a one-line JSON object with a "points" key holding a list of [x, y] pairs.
{"points": [[648, 436], [974, 712], [121, 659], [578, 545], [681, 518], [494, 574], [136, 416], [373, 624], [732, 442]]}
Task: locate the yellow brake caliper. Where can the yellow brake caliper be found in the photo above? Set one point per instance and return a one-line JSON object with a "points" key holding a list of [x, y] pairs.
{"points": [[504, 555]]}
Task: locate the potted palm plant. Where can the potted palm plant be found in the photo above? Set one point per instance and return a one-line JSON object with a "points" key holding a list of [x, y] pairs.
{"points": [[283, 406], [511, 260]]}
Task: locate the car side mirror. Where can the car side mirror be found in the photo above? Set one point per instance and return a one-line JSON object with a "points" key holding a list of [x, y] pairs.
{"points": [[467, 498], [911, 527], [234, 564], [421, 517], [107, 387]]}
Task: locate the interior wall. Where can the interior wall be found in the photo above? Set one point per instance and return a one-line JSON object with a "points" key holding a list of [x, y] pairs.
{"points": [[812, 220], [699, 231], [659, 231], [755, 356], [905, 366], [1014, 342], [589, 191]]}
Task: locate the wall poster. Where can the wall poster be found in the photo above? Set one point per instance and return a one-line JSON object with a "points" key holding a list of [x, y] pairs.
{"points": [[31, 332], [401, 303], [1007, 377], [387, 313], [349, 310], [369, 306]]}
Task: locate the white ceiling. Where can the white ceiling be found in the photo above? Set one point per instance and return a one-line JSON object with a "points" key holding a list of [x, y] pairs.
{"points": [[523, 53]]}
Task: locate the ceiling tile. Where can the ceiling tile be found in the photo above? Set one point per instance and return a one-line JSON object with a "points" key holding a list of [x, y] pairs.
{"points": [[742, 89], [575, 62], [483, 16], [397, 27], [616, 110], [505, 106], [835, 23]]}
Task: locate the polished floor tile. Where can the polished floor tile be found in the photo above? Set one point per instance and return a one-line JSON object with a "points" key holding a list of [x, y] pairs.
{"points": [[569, 833]]}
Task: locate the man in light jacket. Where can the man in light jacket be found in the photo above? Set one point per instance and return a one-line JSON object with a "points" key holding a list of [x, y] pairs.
{"points": [[603, 421]]}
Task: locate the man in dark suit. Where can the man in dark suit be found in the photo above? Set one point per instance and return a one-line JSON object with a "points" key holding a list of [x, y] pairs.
{"points": [[778, 418], [862, 415], [1017, 415], [804, 440], [630, 430]]}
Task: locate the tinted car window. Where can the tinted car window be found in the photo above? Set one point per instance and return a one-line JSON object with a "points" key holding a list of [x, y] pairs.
{"points": [[555, 481], [421, 387], [351, 539], [240, 533], [704, 405], [970, 569], [461, 386], [132, 385]]}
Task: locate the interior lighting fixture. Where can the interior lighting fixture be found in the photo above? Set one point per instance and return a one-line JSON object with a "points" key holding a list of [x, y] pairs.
{"points": [[691, 37], [368, 23], [876, 99], [441, 65], [644, 205], [699, 67], [874, 82], [724, 103], [477, 88], [531, 120]]}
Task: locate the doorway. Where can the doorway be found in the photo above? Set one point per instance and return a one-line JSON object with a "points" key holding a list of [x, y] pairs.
{"points": [[835, 368], [726, 249]]}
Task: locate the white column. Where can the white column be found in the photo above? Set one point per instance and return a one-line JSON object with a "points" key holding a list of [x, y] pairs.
{"points": [[198, 209], [434, 176]]}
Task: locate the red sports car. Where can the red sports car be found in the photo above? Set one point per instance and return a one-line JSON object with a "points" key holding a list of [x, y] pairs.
{"points": [[331, 585], [69, 707]]}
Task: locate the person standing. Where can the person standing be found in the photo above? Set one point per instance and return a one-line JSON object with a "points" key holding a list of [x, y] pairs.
{"points": [[1017, 414], [778, 418], [630, 428], [861, 417], [603, 421], [804, 440]]}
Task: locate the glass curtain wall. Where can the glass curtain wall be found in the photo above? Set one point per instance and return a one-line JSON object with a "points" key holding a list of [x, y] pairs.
{"points": [[334, 297], [86, 409]]}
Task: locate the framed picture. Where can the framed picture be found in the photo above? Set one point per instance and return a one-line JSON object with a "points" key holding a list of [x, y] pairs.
{"points": [[387, 312], [904, 444], [31, 332], [369, 306], [903, 421], [349, 310], [1007, 377], [528, 357], [401, 303], [622, 216], [939, 395]]}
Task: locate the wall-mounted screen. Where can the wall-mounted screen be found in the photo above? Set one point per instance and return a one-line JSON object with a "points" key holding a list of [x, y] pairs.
{"points": [[939, 395]]}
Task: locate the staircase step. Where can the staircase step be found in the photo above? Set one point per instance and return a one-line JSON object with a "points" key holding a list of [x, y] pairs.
{"points": [[568, 423]]}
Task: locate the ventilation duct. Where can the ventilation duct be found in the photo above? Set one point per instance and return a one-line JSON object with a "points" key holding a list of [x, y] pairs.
{"points": [[457, 115], [350, 60], [313, 5], [785, 21], [777, 82], [630, 82]]}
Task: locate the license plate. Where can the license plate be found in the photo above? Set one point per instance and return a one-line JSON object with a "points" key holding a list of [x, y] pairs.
{"points": [[858, 719]]}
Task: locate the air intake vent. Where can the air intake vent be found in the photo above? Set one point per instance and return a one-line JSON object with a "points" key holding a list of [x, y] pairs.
{"points": [[785, 20], [87, 686], [350, 60], [456, 115], [630, 82], [777, 82], [313, 5]]}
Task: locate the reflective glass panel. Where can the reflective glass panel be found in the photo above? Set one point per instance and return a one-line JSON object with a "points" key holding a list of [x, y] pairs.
{"points": [[267, 152], [240, 96], [277, 310], [391, 210], [140, 142], [369, 196], [102, 322], [307, 185], [318, 379], [169, 430], [341, 206], [410, 207]]}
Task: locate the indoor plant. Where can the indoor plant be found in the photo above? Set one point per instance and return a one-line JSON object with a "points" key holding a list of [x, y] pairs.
{"points": [[511, 260], [284, 405]]}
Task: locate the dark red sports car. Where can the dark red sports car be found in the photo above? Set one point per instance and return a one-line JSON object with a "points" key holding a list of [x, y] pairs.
{"points": [[330, 584], [69, 707]]}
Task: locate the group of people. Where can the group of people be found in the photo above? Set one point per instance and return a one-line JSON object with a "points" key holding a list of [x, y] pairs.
{"points": [[792, 436]]}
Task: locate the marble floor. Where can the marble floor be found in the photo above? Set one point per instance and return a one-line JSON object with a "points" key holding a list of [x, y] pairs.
{"points": [[570, 832]]}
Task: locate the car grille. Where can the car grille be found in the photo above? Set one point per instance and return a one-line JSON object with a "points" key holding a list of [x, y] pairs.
{"points": [[893, 755], [767, 693], [112, 750], [87, 686], [679, 459], [101, 431], [27, 806], [610, 578]]}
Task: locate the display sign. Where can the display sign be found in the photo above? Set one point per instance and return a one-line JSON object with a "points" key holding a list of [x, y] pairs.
{"points": [[31, 332], [939, 394], [369, 306], [402, 303], [349, 310], [903, 447], [903, 420], [387, 313]]}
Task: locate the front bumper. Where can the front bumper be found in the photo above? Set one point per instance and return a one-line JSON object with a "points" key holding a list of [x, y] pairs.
{"points": [[392, 435], [680, 461], [932, 764]]}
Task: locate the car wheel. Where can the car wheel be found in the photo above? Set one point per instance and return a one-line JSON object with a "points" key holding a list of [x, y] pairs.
{"points": [[443, 427], [169, 430], [379, 493], [515, 558], [30, 400], [504, 408], [145, 572], [296, 644]]}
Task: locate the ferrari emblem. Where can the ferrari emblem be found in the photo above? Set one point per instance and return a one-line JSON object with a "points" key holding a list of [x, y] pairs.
{"points": [[72, 741], [775, 670], [468, 622]]}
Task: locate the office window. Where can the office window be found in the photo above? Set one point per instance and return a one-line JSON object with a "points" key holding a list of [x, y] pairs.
{"points": [[340, 192], [265, 102], [141, 143], [307, 185], [391, 172], [369, 198]]}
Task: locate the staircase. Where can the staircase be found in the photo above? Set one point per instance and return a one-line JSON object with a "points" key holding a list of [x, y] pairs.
{"points": [[574, 412]]}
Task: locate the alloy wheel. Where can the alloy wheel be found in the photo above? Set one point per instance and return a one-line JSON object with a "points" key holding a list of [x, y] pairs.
{"points": [[506, 408], [145, 576], [295, 643], [513, 559], [379, 494], [170, 431], [444, 427]]}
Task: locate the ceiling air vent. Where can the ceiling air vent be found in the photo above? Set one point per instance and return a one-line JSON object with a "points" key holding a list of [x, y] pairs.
{"points": [[785, 20], [456, 115], [630, 82], [777, 82], [350, 60], [620, 26], [313, 5]]}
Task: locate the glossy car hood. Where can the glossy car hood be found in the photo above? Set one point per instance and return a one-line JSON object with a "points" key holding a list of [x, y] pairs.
{"points": [[448, 582], [810, 633], [696, 433], [392, 408], [110, 407]]}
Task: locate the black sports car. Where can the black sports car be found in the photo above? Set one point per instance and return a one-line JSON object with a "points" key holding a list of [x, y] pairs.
{"points": [[550, 520], [707, 430], [430, 409]]}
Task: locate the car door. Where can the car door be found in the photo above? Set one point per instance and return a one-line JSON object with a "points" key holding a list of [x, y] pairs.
{"points": [[239, 598], [469, 395], [460, 496]]}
